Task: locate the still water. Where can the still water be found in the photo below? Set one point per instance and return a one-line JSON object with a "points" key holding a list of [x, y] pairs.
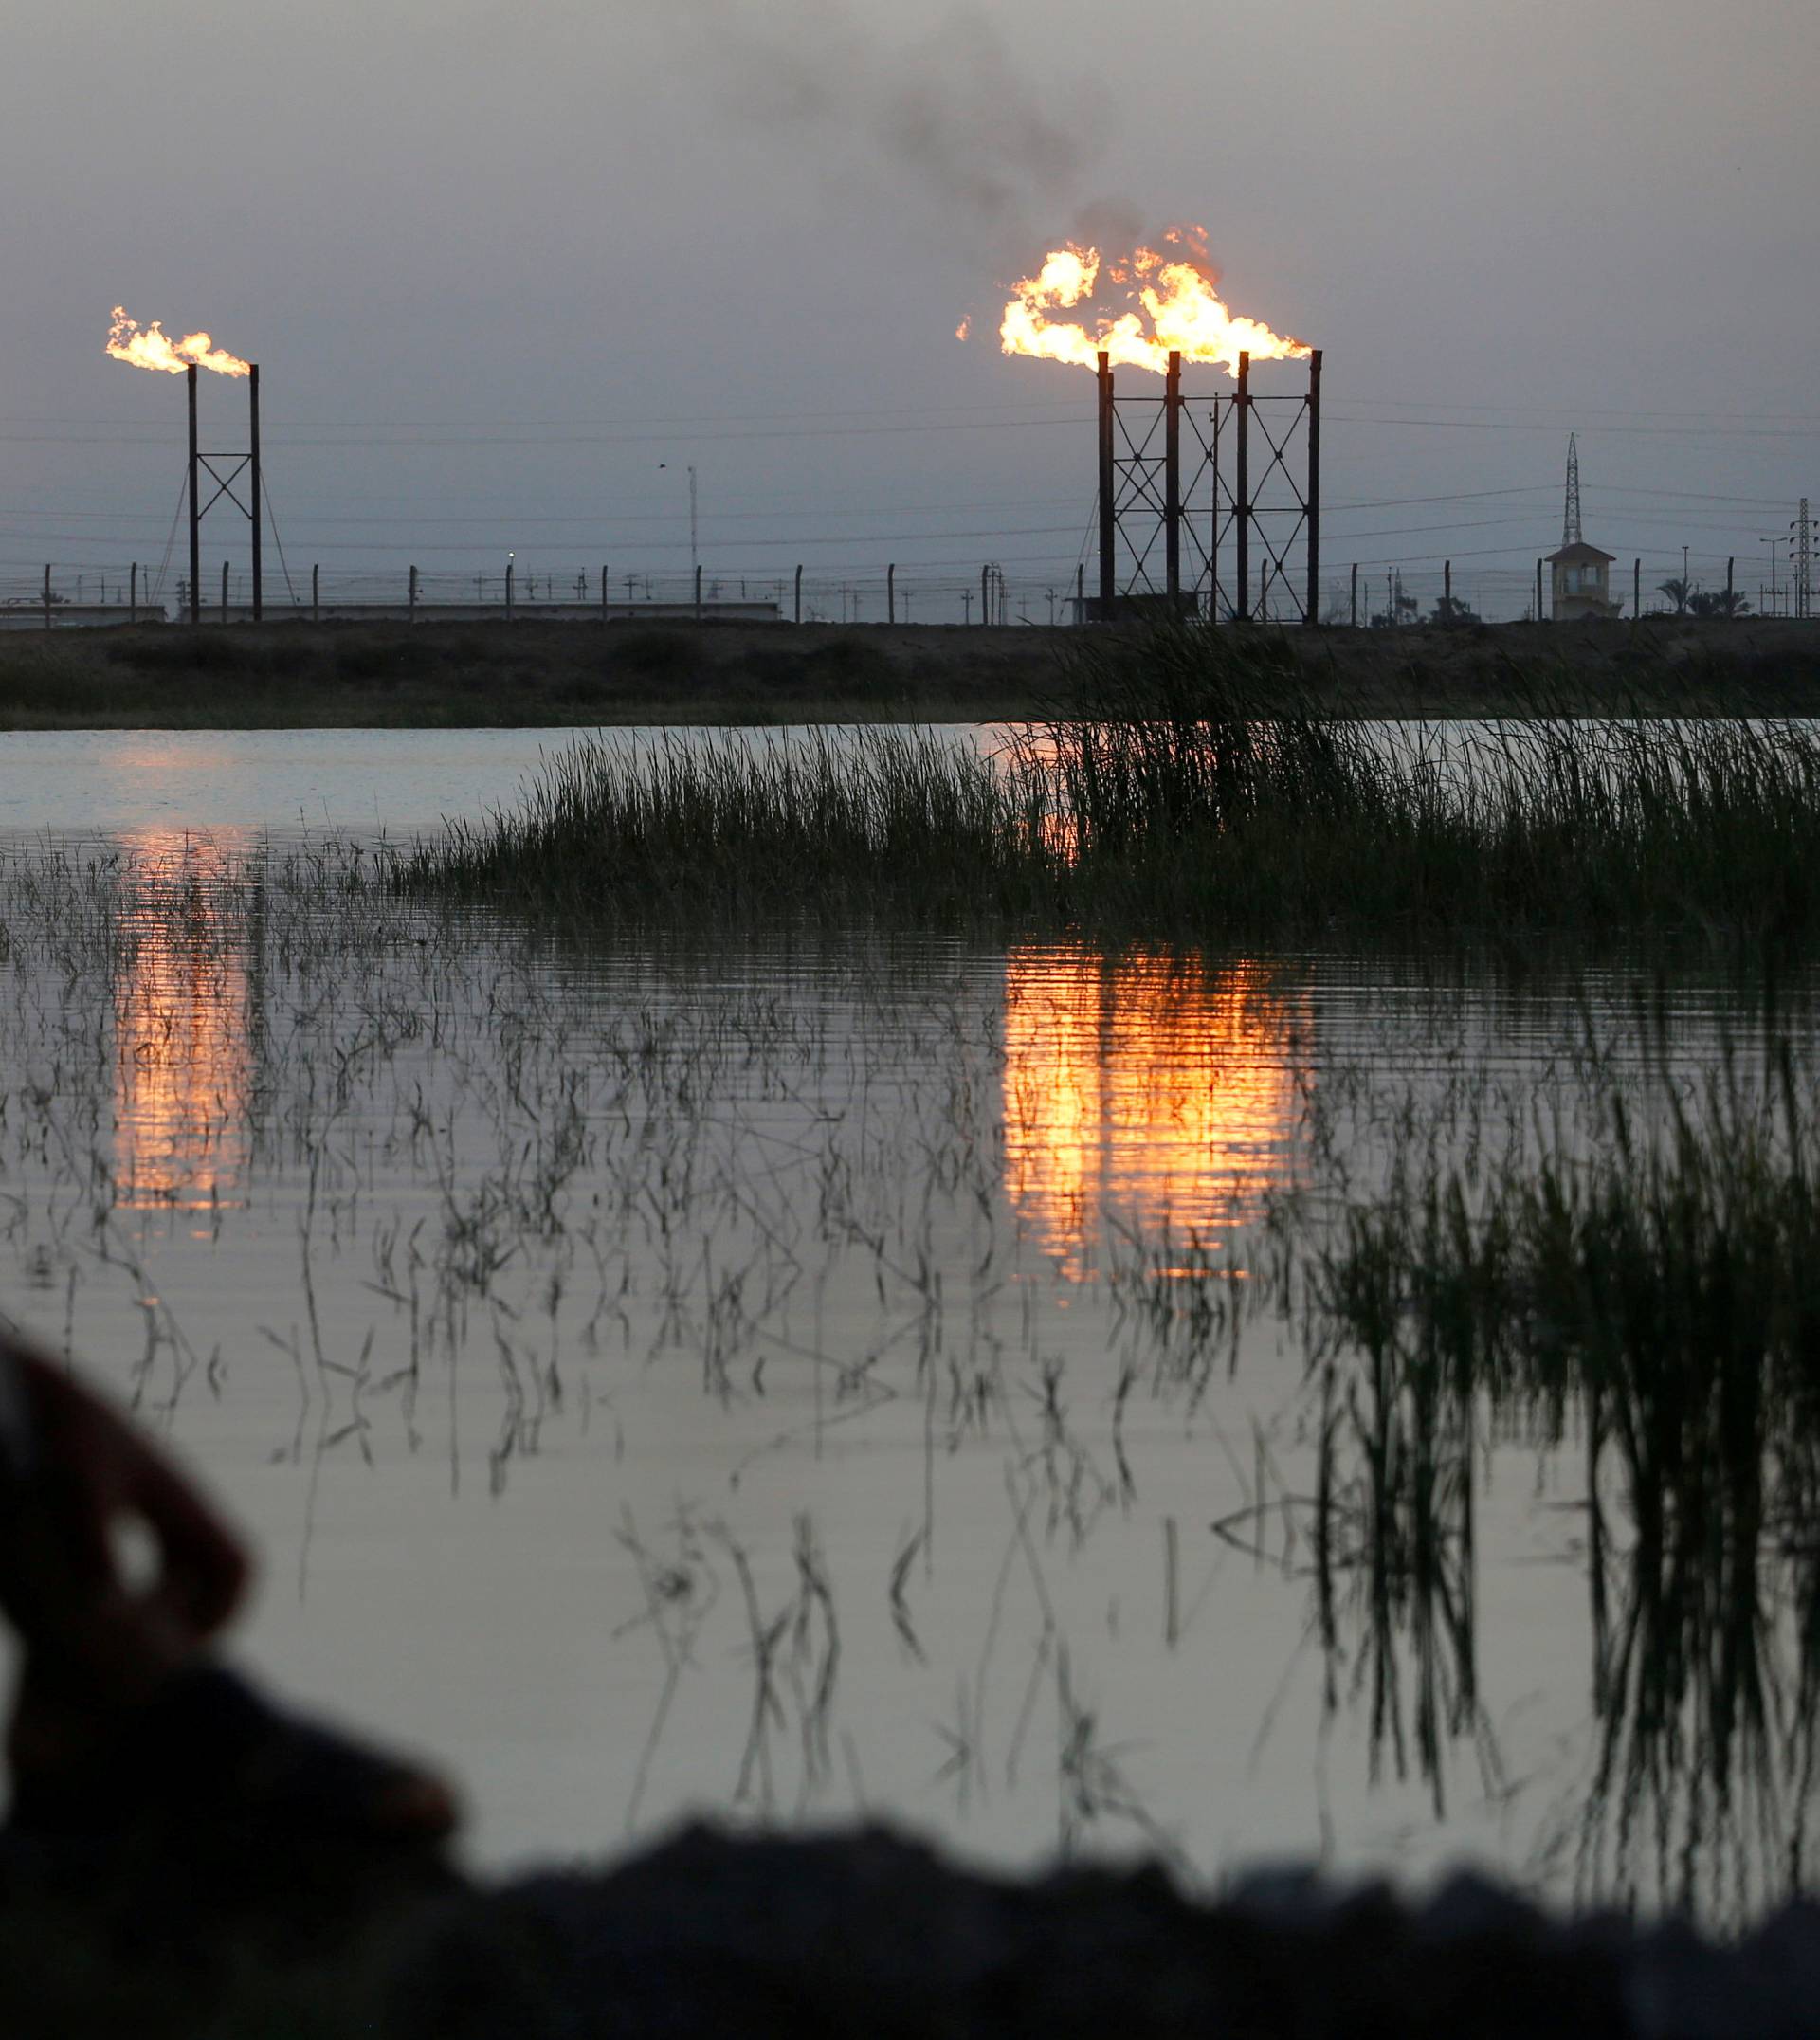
{"points": [[743, 1377]]}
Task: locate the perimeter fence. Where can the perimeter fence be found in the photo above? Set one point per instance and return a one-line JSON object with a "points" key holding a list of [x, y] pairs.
{"points": [[61, 596]]}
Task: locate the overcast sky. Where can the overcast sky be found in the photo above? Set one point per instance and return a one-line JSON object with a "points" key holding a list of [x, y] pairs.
{"points": [[498, 262]]}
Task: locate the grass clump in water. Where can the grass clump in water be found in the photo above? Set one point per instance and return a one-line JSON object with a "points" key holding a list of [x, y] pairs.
{"points": [[1198, 786], [1191, 791], [832, 822]]}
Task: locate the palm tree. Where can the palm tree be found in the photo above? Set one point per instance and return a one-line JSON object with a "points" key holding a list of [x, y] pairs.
{"points": [[1678, 592]]}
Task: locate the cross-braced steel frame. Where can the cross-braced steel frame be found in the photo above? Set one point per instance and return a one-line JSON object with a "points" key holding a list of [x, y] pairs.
{"points": [[1180, 513], [244, 463]]}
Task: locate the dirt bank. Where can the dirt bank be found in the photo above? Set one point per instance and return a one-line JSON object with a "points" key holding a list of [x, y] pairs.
{"points": [[292, 675]]}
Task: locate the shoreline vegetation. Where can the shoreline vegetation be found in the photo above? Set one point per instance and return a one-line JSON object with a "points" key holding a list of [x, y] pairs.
{"points": [[540, 675], [1164, 803]]}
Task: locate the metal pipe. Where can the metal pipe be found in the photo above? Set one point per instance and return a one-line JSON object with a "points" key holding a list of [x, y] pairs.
{"points": [[1106, 483], [1214, 472], [799, 595], [1079, 591], [223, 591], [1636, 589], [603, 594], [46, 598], [1242, 492], [698, 580], [1539, 591], [1354, 594], [316, 595], [259, 578], [891, 594], [413, 597], [1312, 615], [1173, 480], [133, 599], [195, 508], [508, 587]]}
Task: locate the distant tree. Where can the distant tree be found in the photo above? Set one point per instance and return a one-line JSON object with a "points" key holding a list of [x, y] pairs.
{"points": [[1717, 602], [1452, 613], [1679, 591]]}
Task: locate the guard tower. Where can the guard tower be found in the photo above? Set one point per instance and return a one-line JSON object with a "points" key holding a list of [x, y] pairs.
{"points": [[1579, 573]]}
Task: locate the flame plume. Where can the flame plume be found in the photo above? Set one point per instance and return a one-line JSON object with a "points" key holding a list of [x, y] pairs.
{"points": [[1181, 309], [150, 347]]}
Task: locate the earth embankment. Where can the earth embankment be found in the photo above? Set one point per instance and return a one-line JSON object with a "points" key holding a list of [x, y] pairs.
{"points": [[533, 674]]}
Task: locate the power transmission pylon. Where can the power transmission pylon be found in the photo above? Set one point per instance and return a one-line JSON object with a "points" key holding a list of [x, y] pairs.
{"points": [[1570, 514], [1801, 548]]}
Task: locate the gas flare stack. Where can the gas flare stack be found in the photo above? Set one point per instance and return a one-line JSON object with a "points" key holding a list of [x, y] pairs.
{"points": [[224, 477], [1194, 500], [151, 346]]}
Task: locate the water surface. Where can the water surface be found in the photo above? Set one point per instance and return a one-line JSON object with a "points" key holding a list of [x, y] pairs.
{"points": [[666, 1376]]}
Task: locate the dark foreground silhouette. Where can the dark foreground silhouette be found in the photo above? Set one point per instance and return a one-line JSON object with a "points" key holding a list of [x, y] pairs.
{"points": [[855, 1934]]}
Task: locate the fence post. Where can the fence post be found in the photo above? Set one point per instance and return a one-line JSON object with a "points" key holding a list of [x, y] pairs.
{"points": [[698, 591], [412, 618], [1354, 594], [133, 603], [799, 595], [1636, 591], [603, 594], [316, 595], [223, 591], [1539, 591], [508, 591], [46, 598], [1729, 565], [985, 614], [891, 594], [1447, 587], [1079, 591]]}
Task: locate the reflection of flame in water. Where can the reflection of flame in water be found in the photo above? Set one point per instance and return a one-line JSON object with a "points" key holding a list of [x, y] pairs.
{"points": [[182, 1061], [1141, 1090]]}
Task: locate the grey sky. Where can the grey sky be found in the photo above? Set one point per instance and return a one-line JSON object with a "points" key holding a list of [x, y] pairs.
{"points": [[498, 262]]}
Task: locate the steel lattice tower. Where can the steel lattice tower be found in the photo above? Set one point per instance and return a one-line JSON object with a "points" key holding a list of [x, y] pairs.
{"points": [[1570, 514], [1803, 552]]}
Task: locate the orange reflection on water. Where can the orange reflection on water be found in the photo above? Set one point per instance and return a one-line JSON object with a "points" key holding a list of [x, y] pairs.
{"points": [[1143, 1090], [182, 1057]]}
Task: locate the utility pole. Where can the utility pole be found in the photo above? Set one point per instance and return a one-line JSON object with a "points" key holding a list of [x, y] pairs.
{"points": [[694, 543]]}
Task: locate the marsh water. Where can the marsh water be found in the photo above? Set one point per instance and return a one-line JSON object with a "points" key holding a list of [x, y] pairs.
{"points": [[803, 1374]]}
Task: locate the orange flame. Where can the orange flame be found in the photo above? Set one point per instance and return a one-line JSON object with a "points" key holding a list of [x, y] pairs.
{"points": [[150, 347], [1182, 310]]}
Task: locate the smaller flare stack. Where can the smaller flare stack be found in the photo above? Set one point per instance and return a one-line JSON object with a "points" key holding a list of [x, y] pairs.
{"points": [[151, 346]]}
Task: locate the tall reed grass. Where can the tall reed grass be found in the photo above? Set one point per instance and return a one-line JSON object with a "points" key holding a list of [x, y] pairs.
{"points": [[1189, 788]]}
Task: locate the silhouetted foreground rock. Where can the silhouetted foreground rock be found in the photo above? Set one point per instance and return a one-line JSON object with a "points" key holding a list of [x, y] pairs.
{"points": [[869, 1934], [863, 1934]]}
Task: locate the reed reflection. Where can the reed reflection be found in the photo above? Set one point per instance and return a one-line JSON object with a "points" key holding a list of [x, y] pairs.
{"points": [[1646, 1314], [183, 1059], [1143, 1090]]}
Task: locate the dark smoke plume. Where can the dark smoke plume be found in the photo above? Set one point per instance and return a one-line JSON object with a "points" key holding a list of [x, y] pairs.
{"points": [[954, 115]]}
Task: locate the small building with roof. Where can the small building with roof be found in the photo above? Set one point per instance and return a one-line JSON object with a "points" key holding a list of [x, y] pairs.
{"points": [[1580, 576]]}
